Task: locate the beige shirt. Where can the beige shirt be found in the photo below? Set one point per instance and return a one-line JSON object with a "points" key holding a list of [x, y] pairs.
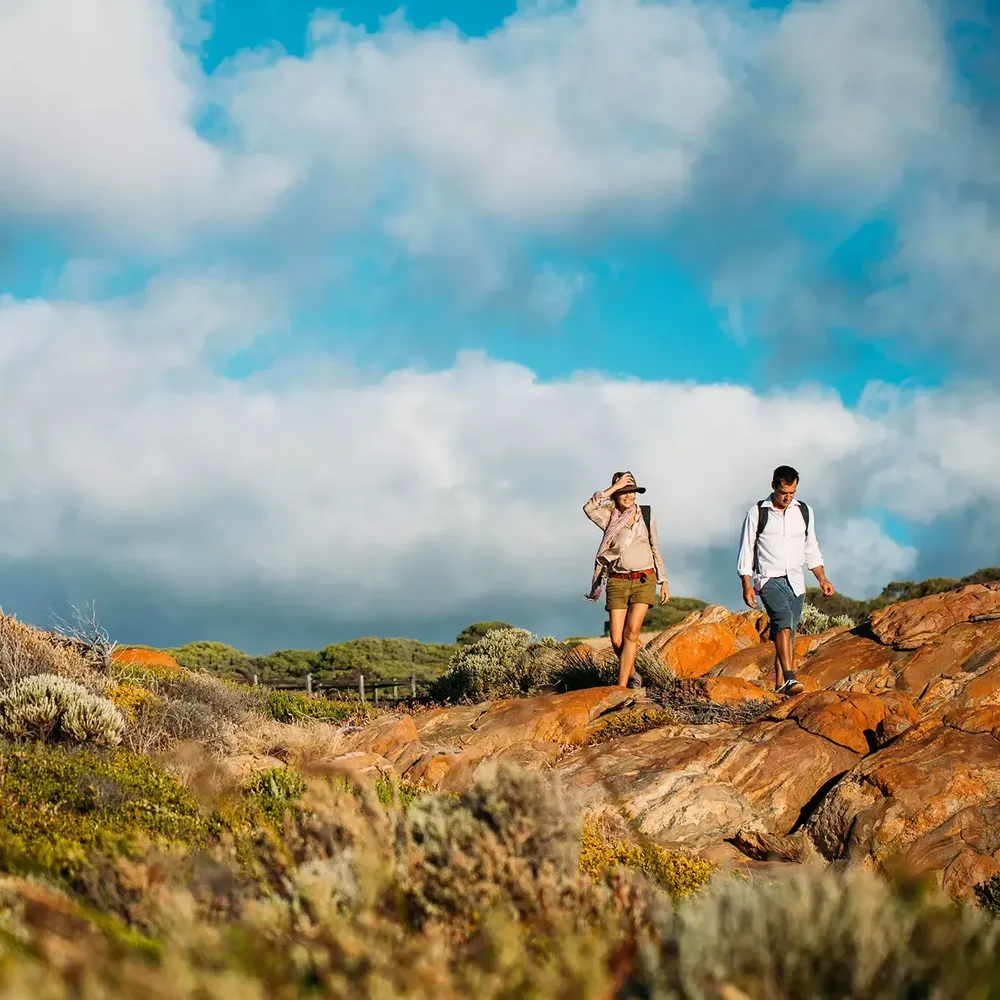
{"points": [[633, 550]]}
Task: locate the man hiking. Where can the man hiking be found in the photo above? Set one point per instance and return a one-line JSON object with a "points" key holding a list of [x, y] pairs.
{"points": [[778, 540], [629, 559]]}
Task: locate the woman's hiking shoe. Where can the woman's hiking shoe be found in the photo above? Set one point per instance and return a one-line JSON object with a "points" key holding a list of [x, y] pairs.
{"points": [[635, 680], [791, 686]]}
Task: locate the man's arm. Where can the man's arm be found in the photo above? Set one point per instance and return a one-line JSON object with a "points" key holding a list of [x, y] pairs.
{"points": [[814, 558], [744, 562]]}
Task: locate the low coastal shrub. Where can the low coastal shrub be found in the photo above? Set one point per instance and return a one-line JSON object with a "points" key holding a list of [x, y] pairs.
{"points": [[814, 621], [504, 663], [50, 707], [678, 874], [296, 706], [632, 721]]}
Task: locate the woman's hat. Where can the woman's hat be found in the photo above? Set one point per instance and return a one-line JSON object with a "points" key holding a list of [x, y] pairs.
{"points": [[626, 489]]}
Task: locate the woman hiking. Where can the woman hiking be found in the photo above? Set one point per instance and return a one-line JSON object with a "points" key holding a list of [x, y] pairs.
{"points": [[629, 559]]}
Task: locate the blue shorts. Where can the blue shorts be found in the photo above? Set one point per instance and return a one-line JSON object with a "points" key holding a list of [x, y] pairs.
{"points": [[784, 609]]}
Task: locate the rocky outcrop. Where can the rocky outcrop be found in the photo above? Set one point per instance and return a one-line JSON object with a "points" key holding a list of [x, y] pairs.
{"points": [[890, 758], [914, 802]]}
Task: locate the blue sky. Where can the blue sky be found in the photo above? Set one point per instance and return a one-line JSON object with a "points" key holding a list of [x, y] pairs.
{"points": [[474, 257]]}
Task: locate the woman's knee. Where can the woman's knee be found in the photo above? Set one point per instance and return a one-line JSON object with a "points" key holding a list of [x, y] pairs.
{"points": [[632, 632]]}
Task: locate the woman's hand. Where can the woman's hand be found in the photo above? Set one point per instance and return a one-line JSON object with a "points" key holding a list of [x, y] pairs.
{"points": [[625, 481], [664, 592]]}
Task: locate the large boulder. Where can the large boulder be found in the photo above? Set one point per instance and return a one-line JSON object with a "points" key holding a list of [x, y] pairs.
{"points": [[695, 649], [697, 792], [912, 800], [911, 624]]}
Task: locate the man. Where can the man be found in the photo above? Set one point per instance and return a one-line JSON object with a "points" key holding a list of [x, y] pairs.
{"points": [[778, 539]]}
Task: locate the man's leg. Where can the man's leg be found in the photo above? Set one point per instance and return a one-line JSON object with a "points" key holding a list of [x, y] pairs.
{"points": [[630, 642], [784, 656]]}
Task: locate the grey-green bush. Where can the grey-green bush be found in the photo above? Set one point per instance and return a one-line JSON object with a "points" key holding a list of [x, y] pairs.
{"points": [[814, 621], [50, 707], [823, 936], [505, 663]]}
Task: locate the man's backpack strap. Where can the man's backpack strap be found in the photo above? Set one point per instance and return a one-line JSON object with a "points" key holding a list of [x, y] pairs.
{"points": [[762, 516]]}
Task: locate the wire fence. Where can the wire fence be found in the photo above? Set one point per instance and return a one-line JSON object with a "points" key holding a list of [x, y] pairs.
{"points": [[401, 687]]}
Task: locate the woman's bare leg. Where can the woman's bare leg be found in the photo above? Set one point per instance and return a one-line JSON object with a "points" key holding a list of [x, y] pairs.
{"points": [[616, 621], [630, 642]]}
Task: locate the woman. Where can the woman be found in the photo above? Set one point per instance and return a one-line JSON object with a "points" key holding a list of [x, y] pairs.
{"points": [[629, 558]]}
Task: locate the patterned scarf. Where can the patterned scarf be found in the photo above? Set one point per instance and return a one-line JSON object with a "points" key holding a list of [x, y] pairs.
{"points": [[619, 519]]}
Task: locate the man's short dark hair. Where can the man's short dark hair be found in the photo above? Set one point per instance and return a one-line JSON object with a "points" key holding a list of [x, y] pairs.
{"points": [[784, 475]]}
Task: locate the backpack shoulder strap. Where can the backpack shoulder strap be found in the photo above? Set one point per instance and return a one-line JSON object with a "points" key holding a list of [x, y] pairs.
{"points": [[647, 514], [804, 510], [762, 516]]}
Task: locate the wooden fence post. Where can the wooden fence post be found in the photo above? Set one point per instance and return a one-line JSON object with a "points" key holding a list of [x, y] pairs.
{"points": [[361, 685], [395, 696], [413, 685], [375, 693], [309, 683], [255, 680]]}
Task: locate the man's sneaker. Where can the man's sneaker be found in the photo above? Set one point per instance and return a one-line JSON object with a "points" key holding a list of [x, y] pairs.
{"points": [[635, 680], [791, 686]]}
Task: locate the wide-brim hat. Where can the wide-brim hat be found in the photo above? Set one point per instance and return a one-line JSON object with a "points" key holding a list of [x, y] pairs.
{"points": [[627, 489]]}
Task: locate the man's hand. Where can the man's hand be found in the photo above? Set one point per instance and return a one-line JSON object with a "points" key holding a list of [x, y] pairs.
{"points": [[749, 596], [824, 584], [664, 592]]}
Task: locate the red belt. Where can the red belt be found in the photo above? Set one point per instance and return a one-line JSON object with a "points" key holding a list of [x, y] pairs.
{"points": [[641, 575]]}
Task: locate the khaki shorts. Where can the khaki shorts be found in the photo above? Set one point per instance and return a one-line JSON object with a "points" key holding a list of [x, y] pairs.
{"points": [[622, 594]]}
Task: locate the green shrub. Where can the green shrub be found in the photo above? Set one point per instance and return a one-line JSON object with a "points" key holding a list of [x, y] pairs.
{"points": [[679, 874], [275, 792], [473, 633], [295, 706], [215, 657], [504, 663], [61, 806], [632, 721], [49, 707], [988, 895]]}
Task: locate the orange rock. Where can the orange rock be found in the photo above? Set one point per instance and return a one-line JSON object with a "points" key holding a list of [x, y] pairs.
{"points": [[697, 649], [756, 663], [149, 659], [556, 718], [851, 656], [433, 767], [387, 736], [914, 798], [707, 615], [912, 623], [733, 690], [447, 726]]}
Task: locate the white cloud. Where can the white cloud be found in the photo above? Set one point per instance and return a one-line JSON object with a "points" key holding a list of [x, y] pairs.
{"points": [[447, 487], [96, 125]]}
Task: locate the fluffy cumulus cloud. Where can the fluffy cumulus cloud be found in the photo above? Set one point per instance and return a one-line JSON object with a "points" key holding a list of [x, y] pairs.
{"points": [[421, 497], [96, 125]]}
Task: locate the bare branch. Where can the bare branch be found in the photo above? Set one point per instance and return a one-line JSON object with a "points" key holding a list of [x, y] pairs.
{"points": [[85, 632]]}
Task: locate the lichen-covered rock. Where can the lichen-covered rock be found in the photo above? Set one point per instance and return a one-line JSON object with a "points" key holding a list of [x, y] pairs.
{"points": [[912, 623], [906, 797]]}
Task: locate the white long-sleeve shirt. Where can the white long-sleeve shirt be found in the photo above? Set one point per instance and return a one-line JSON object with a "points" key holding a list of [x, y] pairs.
{"points": [[783, 549]]}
